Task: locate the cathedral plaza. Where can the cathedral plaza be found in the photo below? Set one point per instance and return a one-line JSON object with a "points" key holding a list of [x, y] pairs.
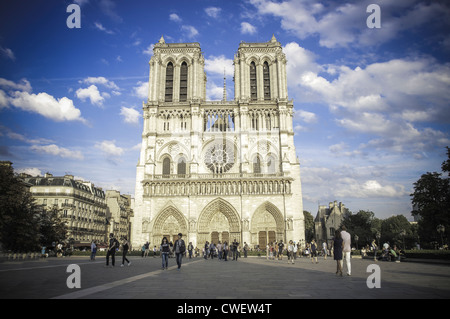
{"points": [[254, 278]]}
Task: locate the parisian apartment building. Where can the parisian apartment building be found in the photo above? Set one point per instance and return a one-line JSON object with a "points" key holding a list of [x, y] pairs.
{"points": [[89, 212]]}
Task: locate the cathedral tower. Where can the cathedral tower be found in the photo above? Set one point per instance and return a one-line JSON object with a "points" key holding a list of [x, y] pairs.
{"points": [[218, 170]]}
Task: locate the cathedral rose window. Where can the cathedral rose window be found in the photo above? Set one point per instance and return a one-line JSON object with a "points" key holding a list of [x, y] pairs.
{"points": [[219, 157]]}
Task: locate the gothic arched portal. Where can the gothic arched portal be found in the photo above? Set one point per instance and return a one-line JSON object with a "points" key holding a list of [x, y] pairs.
{"points": [[267, 225], [218, 221], [169, 222]]}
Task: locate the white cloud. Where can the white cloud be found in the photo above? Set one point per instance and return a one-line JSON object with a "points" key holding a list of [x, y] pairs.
{"points": [[190, 31], [109, 148], [100, 80], [175, 17], [100, 27], [217, 65], [92, 93], [33, 171], [341, 24], [141, 90], [149, 50], [350, 188], [213, 12], [130, 115], [23, 85], [8, 53], [305, 116], [247, 28], [46, 105], [53, 149], [3, 99]]}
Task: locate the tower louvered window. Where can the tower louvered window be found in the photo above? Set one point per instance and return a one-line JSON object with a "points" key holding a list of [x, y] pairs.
{"points": [[183, 82], [169, 82], [253, 88], [266, 76]]}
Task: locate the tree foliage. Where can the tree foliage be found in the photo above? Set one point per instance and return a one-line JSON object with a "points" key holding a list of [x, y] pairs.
{"points": [[431, 203], [309, 225], [25, 226], [19, 230]]}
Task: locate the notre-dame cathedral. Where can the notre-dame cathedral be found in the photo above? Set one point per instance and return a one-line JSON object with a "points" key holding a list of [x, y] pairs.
{"points": [[218, 170]]}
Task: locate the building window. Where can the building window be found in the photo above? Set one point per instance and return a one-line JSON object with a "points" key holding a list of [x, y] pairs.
{"points": [[271, 168], [181, 168], [183, 82], [266, 77], [253, 89], [257, 165], [169, 82], [166, 167]]}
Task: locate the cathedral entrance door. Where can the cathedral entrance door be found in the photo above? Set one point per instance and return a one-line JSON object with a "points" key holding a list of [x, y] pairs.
{"points": [[215, 237], [265, 237], [225, 237]]}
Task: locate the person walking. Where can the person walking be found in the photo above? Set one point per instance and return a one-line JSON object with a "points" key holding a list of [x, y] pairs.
{"points": [[347, 249], [314, 251], [165, 250], [206, 250], [290, 250], [93, 250], [219, 250], [225, 250], [113, 244], [245, 249], [212, 250], [374, 248], [125, 247], [235, 250], [179, 248], [325, 249], [147, 249], [337, 247], [190, 249], [280, 250]]}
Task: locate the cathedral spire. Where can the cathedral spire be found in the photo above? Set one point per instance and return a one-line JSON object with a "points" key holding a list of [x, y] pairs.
{"points": [[224, 87]]}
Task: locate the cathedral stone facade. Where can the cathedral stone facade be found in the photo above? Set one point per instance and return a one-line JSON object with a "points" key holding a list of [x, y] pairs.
{"points": [[218, 170]]}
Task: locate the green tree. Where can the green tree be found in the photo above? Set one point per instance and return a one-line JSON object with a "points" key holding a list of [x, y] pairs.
{"points": [[396, 230], [309, 226], [19, 228], [363, 225], [52, 229], [431, 204]]}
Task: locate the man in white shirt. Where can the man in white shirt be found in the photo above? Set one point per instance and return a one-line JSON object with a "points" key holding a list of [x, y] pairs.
{"points": [[347, 249]]}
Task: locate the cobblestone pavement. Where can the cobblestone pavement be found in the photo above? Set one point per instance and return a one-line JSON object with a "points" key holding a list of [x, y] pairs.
{"points": [[248, 278]]}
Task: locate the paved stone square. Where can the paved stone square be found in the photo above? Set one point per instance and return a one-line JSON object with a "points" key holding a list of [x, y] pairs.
{"points": [[248, 278]]}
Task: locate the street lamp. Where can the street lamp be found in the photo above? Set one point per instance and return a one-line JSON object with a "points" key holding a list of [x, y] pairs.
{"points": [[441, 229], [403, 233]]}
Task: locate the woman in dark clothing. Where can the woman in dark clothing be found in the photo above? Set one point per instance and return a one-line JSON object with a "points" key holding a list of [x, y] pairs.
{"points": [[165, 250], [338, 245]]}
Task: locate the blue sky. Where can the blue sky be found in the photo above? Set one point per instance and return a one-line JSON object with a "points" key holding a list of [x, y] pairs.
{"points": [[371, 104]]}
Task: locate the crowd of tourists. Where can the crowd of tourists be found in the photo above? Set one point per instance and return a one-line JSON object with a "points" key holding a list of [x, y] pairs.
{"points": [[339, 249]]}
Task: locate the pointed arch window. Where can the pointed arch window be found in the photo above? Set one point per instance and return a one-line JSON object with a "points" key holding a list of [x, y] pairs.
{"points": [[166, 167], [183, 82], [253, 88], [169, 82], [271, 165], [181, 167], [257, 165], [266, 79]]}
